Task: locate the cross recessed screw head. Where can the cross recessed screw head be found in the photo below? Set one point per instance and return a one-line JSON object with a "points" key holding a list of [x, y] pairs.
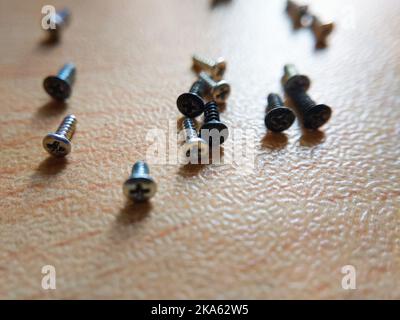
{"points": [[219, 90], [321, 31], [215, 68], [296, 13], [194, 148], [58, 144], [191, 104], [278, 117], [59, 20], [140, 186], [59, 87], [293, 80], [213, 130]]}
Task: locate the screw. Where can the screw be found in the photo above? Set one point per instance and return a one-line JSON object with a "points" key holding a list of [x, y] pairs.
{"points": [[278, 117], [292, 80], [321, 31], [215, 68], [296, 13], [219, 90], [140, 186], [195, 148], [58, 144], [60, 20], [191, 104], [60, 86], [212, 127]]}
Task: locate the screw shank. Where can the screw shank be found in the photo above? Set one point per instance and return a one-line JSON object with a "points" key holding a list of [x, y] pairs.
{"points": [[67, 127], [67, 73], [140, 169], [274, 101]]}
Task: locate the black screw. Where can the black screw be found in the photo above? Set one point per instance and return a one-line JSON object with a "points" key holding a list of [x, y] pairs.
{"points": [[293, 80], [191, 104], [60, 86], [60, 20], [213, 130], [278, 117]]}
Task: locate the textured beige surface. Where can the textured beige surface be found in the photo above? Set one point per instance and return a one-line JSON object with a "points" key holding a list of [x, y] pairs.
{"points": [[314, 203]]}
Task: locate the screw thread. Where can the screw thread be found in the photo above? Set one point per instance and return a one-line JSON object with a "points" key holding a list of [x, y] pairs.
{"points": [[210, 82], [190, 129], [67, 127], [290, 70], [199, 87], [62, 17], [202, 62], [302, 100], [274, 101], [67, 73], [211, 112], [140, 168]]}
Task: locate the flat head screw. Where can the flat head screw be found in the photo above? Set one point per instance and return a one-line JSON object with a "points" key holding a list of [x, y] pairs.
{"points": [[313, 115], [60, 21], [321, 31], [191, 104], [219, 90], [215, 67], [140, 186], [213, 130], [194, 148], [59, 87], [296, 12], [278, 117], [58, 144], [292, 80]]}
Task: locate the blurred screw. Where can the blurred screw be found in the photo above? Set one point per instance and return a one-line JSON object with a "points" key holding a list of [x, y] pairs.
{"points": [[191, 104], [219, 90], [60, 86], [140, 186], [292, 80], [195, 148], [278, 117], [321, 31], [215, 68], [58, 144], [212, 127], [296, 13], [59, 20]]}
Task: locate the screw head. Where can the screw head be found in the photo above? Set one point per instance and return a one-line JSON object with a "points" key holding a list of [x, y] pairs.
{"points": [[297, 82], [195, 149], [279, 119], [317, 116], [190, 104], [139, 189], [221, 92], [219, 69], [56, 145], [212, 130], [57, 88]]}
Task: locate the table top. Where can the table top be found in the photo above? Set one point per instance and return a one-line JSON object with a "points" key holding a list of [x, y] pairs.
{"points": [[283, 224]]}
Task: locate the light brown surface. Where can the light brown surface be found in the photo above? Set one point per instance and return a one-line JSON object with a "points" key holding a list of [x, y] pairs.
{"points": [[314, 203]]}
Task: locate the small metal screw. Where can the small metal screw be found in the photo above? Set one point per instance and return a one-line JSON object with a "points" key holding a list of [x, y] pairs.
{"points": [[293, 80], [219, 90], [60, 20], [215, 68], [321, 31], [195, 148], [296, 85], [212, 127], [58, 144], [59, 87], [296, 13], [191, 104], [140, 186], [278, 117]]}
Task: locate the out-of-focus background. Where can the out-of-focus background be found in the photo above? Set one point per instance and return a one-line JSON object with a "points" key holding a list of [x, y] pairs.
{"points": [[316, 202]]}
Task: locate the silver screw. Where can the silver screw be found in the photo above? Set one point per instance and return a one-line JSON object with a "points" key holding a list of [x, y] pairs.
{"points": [[321, 31], [60, 20], [194, 148], [58, 144], [219, 90], [140, 186], [215, 67]]}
